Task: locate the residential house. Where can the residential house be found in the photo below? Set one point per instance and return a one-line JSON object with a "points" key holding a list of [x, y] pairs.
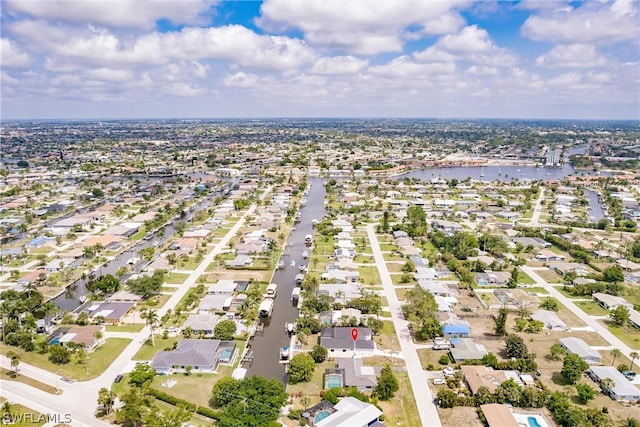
{"points": [[550, 319], [622, 390], [340, 291], [611, 302], [498, 415], [456, 330], [577, 346], [240, 261], [355, 374], [203, 356], [465, 349], [201, 323], [351, 412], [110, 312], [492, 278], [340, 276], [124, 296], [477, 376], [547, 255], [84, 336], [223, 287], [339, 342]]}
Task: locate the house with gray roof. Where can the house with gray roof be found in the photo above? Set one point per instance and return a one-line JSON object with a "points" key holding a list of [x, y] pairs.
{"points": [[203, 356], [339, 343], [622, 389], [355, 374], [201, 322], [466, 349], [550, 320], [611, 302], [577, 346]]}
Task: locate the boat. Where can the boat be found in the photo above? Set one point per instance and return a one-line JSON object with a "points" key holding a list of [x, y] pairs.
{"points": [[299, 278], [314, 222], [293, 263], [302, 267], [305, 255], [297, 218], [280, 265], [303, 202], [482, 172], [271, 291], [290, 328], [308, 239], [266, 308], [284, 353], [295, 294]]}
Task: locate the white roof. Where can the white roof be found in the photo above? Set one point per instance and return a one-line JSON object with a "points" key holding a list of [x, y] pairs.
{"points": [[351, 412], [239, 373]]}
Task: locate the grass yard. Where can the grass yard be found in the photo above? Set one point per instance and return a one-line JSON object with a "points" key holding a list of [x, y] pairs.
{"points": [[194, 388], [401, 410], [627, 335], [129, 327], [98, 360], [524, 278], [18, 410], [369, 275], [388, 247], [397, 279], [147, 351], [312, 388], [550, 276], [155, 302], [175, 278], [592, 308], [8, 375]]}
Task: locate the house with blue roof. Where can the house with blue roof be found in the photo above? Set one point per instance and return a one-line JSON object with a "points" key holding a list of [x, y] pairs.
{"points": [[456, 330]]}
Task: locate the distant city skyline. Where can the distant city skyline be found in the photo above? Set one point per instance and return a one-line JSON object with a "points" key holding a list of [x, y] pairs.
{"points": [[290, 58]]}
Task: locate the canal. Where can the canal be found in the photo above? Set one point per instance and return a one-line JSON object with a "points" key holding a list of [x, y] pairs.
{"points": [[267, 343]]}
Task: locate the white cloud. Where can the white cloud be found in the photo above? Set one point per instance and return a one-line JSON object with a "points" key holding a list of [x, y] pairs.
{"points": [[241, 80], [404, 67], [233, 43], [11, 56], [472, 44], [592, 22], [109, 75], [338, 65], [117, 14], [361, 27], [577, 55]]}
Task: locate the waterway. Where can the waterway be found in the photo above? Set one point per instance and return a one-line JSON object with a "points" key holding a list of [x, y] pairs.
{"points": [[494, 173], [72, 297], [266, 344], [595, 208]]}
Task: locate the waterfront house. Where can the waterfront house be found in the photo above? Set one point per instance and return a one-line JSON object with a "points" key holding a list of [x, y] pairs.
{"points": [[203, 356]]}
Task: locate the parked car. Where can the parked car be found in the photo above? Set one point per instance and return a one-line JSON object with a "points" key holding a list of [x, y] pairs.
{"points": [[448, 372], [172, 329], [67, 380], [118, 378], [439, 381], [630, 375]]}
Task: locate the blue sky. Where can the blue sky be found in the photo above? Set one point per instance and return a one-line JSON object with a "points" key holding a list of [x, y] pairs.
{"points": [[320, 58]]}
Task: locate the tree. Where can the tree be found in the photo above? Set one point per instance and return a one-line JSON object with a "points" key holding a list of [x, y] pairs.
{"points": [[613, 274], [319, 353], [177, 417], [630, 422], [97, 192], [59, 355], [387, 384], [141, 374], [134, 409], [7, 408], [98, 336], [615, 353], [620, 315], [224, 330], [106, 398], [484, 396], [550, 304], [151, 319], [375, 325], [585, 393], [447, 398], [515, 346], [572, 367], [634, 355], [508, 392], [15, 361], [22, 164], [535, 326], [513, 280], [501, 322], [409, 267], [147, 286], [430, 328], [254, 401], [301, 368], [557, 352]]}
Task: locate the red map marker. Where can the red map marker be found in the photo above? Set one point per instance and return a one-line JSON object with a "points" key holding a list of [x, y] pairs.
{"points": [[354, 333]]}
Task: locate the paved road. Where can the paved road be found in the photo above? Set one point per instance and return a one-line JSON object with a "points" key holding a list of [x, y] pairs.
{"points": [[589, 320], [80, 398], [535, 218], [421, 392]]}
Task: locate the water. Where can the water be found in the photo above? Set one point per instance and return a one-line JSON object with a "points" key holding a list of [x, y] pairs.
{"points": [[266, 345], [595, 208], [494, 173]]}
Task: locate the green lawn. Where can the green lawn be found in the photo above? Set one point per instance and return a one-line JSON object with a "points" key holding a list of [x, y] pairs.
{"points": [[175, 278], [194, 388], [388, 247], [628, 335], [17, 409], [97, 362], [369, 275], [8, 375], [592, 308], [147, 351], [524, 278], [155, 302], [129, 327], [396, 278]]}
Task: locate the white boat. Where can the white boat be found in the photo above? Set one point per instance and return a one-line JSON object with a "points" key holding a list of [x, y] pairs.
{"points": [[289, 328], [482, 172], [302, 267], [293, 263], [303, 202], [305, 255], [314, 222], [295, 294], [308, 239], [299, 278], [271, 291], [266, 307]]}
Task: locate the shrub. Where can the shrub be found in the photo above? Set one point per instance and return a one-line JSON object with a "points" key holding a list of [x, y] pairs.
{"points": [[444, 359]]}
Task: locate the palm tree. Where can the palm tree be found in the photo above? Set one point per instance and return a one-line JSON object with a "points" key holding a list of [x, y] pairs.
{"points": [[98, 336], [15, 361], [7, 406], [151, 317], [634, 355], [49, 308], [607, 384], [615, 353]]}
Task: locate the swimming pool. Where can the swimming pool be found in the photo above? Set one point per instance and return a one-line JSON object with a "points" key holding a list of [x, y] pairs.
{"points": [[482, 282], [225, 355], [321, 416], [332, 381], [533, 422]]}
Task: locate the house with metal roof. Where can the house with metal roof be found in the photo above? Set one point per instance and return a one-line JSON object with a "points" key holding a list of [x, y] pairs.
{"points": [[456, 330], [577, 346], [498, 415], [611, 302], [203, 356], [622, 388], [466, 349], [550, 320], [339, 342], [351, 412]]}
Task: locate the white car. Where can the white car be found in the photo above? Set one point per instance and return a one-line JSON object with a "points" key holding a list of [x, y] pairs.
{"points": [[439, 381], [172, 329], [448, 372]]}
